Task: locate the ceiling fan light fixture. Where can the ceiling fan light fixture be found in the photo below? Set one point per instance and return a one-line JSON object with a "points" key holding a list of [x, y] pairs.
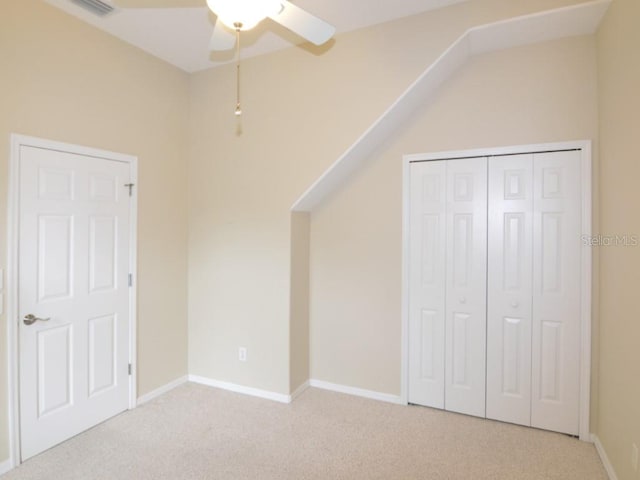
{"points": [[248, 13]]}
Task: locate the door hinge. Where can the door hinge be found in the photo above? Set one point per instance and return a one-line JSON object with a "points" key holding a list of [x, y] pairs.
{"points": [[131, 279], [130, 369], [130, 187]]}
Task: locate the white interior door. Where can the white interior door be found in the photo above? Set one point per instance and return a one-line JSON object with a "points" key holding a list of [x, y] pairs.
{"points": [[555, 401], [466, 286], [73, 278], [509, 294], [427, 251]]}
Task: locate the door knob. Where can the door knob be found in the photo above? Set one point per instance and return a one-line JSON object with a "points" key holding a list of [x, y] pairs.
{"points": [[31, 319], [515, 304]]}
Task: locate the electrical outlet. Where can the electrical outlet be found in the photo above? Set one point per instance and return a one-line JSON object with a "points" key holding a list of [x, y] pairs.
{"points": [[634, 457], [242, 354]]}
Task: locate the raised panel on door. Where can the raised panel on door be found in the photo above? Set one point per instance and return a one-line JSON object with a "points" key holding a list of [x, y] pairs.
{"points": [[103, 253], [427, 283], [55, 267], [555, 402], [465, 311], [55, 369], [103, 341], [74, 257], [509, 292]]}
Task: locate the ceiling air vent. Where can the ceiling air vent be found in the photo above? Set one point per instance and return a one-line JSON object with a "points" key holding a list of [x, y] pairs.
{"points": [[96, 7]]}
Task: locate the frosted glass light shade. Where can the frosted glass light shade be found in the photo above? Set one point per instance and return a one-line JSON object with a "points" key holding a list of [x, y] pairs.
{"points": [[246, 12]]}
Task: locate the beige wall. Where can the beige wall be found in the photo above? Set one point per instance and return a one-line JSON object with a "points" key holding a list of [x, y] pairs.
{"points": [[299, 323], [64, 80], [619, 97], [301, 112], [536, 94]]}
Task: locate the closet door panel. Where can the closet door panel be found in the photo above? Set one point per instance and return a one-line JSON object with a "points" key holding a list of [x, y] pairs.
{"points": [[466, 255], [509, 288], [427, 283], [555, 403]]}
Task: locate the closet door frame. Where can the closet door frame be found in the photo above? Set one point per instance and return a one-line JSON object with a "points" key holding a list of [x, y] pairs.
{"points": [[584, 146]]}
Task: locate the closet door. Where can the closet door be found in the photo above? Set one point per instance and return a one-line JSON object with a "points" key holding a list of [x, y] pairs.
{"points": [[466, 253], [427, 283], [509, 294], [555, 403]]}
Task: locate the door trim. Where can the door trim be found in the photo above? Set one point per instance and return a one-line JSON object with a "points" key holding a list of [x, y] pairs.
{"points": [[586, 257], [17, 141]]}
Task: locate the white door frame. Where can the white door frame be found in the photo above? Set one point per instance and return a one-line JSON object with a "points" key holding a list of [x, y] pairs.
{"points": [[13, 226], [586, 257]]}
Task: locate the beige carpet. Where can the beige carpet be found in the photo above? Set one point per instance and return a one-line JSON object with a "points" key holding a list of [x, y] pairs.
{"points": [[197, 432]]}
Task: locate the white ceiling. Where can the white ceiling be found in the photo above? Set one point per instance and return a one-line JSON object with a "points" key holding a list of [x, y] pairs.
{"points": [[181, 36]]}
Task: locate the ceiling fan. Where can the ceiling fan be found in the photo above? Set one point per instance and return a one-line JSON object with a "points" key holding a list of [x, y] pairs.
{"points": [[246, 14], [233, 15]]}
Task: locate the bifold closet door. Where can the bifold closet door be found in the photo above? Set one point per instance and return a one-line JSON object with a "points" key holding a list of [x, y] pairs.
{"points": [[447, 306], [427, 247], [533, 310], [466, 273], [494, 294], [555, 399], [509, 288]]}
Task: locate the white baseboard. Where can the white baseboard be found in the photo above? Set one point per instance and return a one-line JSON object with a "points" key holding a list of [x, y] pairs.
{"points": [[278, 397], [6, 466], [359, 392], [232, 387], [603, 456], [298, 391], [163, 389]]}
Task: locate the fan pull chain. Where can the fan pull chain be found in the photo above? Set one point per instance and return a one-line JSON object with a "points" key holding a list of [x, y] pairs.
{"points": [[238, 26]]}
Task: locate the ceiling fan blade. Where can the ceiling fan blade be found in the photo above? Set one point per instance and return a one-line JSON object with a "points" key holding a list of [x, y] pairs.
{"points": [[160, 3], [300, 21], [222, 38]]}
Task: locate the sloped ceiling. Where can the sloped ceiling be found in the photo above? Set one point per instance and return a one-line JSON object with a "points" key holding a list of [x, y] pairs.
{"points": [[581, 19], [181, 36]]}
